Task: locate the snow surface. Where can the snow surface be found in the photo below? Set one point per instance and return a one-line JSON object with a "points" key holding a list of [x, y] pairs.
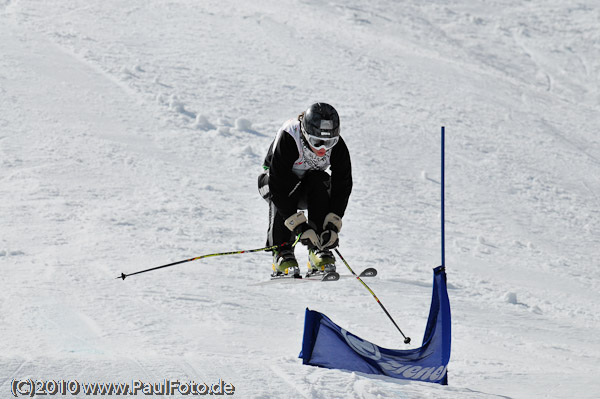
{"points": [[131, 135]]}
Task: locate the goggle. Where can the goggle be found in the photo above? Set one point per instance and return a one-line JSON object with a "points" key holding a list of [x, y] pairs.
{"points": [[319, 143]]}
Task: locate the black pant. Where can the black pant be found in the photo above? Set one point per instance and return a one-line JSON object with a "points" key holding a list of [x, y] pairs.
{"points": [[313, 194]]}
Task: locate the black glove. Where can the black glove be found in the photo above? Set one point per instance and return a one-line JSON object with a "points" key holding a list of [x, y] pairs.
{"points": [[331, 227], [298, 224]]}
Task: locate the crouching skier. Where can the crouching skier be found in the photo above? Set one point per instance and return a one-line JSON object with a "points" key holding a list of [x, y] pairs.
{"points": [[307, 167]]}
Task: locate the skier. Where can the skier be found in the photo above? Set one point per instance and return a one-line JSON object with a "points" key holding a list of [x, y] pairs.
{"points": [[296, 177]]}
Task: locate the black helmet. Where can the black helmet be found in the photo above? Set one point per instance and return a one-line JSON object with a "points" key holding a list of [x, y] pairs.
{"points": [[321, 125]]}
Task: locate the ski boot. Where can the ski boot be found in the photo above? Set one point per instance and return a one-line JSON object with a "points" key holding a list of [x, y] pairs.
{"points": [[320, 262], [284, 263]]}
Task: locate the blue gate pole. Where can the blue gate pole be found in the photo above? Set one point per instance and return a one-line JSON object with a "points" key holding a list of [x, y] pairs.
{"points": [[443, 205]]}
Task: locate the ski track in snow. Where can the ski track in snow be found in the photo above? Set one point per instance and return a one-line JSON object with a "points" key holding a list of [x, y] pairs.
{"points": [[133, 138]]}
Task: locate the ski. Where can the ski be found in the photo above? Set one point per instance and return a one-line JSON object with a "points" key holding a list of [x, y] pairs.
{"points": [[287, 279], [317, 277], [368, 272], [329, 276], [283, 279]]}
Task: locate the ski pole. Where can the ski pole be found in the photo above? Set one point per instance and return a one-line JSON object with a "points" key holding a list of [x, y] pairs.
{"points": [[123, 275], [406, 339]]}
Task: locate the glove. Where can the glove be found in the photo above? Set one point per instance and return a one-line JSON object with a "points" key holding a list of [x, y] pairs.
{"points": [[332, 226], [332, 222], [328, 239], [298, 224]]}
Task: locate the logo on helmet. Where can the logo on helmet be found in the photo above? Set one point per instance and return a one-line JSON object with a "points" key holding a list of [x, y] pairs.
{"points": [[326, 124]]}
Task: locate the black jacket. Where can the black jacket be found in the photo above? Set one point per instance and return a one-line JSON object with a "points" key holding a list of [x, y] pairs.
{"points": [[283, 181]]}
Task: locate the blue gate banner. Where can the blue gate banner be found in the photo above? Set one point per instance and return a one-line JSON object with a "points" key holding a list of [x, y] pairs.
{"points": [[326, 344]]}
